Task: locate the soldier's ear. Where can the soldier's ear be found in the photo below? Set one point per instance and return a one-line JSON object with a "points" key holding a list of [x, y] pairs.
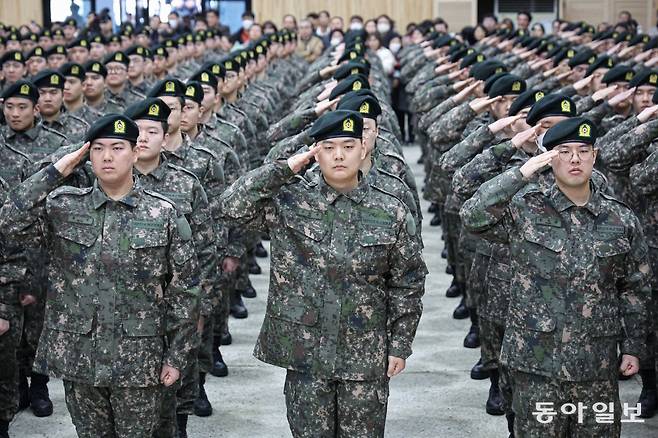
{"points": [[35, 110]]}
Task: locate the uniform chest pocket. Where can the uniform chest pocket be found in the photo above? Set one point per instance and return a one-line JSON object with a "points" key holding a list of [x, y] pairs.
{"points": [[311, 225], [373, 250], [542, 248], [610, 256], [150, 239], [83, 235]]}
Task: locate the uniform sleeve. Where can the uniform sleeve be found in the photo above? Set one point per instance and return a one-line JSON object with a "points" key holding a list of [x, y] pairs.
{"points": [[406, 287], [631, 148], [616, 132], [246, 201], [643, 175], [635, 294], [181, 298], [482, 168], [449, 127], [291, 124], [203, 231], [487, 213], [465, 150]]}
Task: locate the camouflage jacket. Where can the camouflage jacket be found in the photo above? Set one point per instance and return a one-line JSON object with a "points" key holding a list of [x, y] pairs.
{"points": [[37, 142], [123, 281], [91, 114], [72, 127], [231, 134], [347, 273], [184, 189], [580, 285]]}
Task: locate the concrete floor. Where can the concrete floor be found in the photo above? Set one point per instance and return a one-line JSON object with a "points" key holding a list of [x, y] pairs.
{"points": [[433, 397]]}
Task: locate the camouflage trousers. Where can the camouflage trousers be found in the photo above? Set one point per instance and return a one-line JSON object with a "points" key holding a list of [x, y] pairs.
{"points": [[9, 344], [112, 412], [465, 255], [33, 316], [530, 389], [204, 356], [179, 398], [451, 225], [491, 342], [321, 408], [222, 310]]}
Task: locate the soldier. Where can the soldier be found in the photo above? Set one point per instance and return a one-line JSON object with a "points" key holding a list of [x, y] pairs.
{"points": [[74, 75], [184, 188], [137, 56], [334, 344], [78, 50], [93, 87], [13, 68], [56, 56], [114, 337], [35, 61], [118, 87], [580, 274], [51, 106]]}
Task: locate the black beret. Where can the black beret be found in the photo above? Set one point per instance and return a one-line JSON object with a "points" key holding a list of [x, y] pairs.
{"points": [[564, 53], [603, 61], [624, 36], [575, 129], [98, 39], [551, 105], [171, 43], [137, 50], [194, 91], [30, 37], [71, 22], [351, 68], [150, 108], [160, 51], [230, 64], [95, 67], [618, 73], [37, 52], [641, 38], [205, 77], [584, 56], [651, 44], [56, 50], [117, 56], [48, 79], [25, 89], [645, 77], [525, 100], [336, 124], [604, 35], [73, 69], [507, 84], [12, 55], [350, 55], [351, 83], [366, 105], [79, 42], [113, 126], [260, 50], [444, 41], [167, 87], [490, 81], [216, 68], [483, 70], [472, 58]]}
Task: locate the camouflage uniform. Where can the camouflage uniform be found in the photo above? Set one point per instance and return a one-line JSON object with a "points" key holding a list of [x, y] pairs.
{"points": [[122, 298], [325, 244], [72, 127], [579, 275]]}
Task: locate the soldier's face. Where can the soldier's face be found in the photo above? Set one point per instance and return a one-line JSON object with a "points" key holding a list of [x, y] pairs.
{"points": [[94, 85], [340, 160], [50, 101], [548, 122], [576, 171], [597, 76], [370, 133], [642, 98], [79, 55], [151, 139], [35, 65], [210, 98], [159, 64], [112, 160], [13, 71], [136, 66], [520, 125], [577, 73], [97, 51], [20, 113], [72, 89], [174, 105], [190, 116], [500, 108], [56, 61], [117, 74]]}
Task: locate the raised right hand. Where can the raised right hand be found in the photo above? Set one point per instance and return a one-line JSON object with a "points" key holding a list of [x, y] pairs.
{"points": [[536, 163], [300, 161], [70, 161]]}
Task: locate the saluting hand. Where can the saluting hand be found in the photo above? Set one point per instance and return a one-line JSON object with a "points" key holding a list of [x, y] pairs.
{"points": [[300, 161], [604, 93], [70, 161], [648, 113], [536, 163], [621, 97], [481, 104], [503, 123], [525, 140]]}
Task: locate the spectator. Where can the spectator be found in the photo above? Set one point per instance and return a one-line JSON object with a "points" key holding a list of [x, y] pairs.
{"points": [[557, 23], [624, 17], [213, 22], [356, 22], [385, 28], [336, 37], [375, 43], [440, 25], [523, 20], [269, 28], [538, 30], [255, 32], [370, 27], [337, 23], [490, 23], [322, 30], [310, 47], [242, 35], [289, 22], [507, 23]]}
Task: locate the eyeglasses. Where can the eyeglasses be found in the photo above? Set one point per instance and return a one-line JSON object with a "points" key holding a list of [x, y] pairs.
{"points": [[116, 69], [584, 154]]}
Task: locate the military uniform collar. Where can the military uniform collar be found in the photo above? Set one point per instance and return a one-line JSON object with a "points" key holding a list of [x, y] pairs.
{"points": [[357, 195], [31, 133], [562, 203], [99, 198], [159, 172]]}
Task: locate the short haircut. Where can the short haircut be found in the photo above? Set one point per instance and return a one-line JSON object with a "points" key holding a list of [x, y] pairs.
{"points": [[526, 13]]}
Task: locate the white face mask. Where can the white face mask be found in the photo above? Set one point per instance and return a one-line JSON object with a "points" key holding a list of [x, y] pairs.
{"points": [[336, 41], [356, 25], [246, 24], [540, 143], [395, 47], [173, 24], [383, 27]]}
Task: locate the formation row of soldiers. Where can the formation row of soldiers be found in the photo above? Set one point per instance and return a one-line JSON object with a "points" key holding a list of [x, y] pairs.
{"points": [[553, 267], [138, 181]]}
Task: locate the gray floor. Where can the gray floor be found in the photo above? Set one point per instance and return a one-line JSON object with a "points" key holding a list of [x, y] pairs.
{"points": [[434, 397]]}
